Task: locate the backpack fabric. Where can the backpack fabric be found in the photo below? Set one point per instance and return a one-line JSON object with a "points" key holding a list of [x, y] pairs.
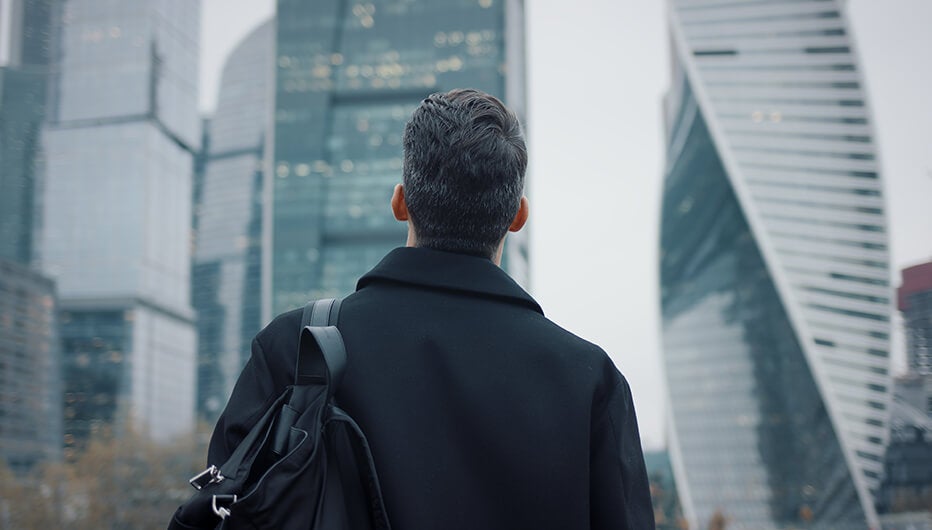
{"points": [[305, 464]]}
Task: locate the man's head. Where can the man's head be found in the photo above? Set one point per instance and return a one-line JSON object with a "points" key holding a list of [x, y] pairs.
{"points": [[464, 164]]}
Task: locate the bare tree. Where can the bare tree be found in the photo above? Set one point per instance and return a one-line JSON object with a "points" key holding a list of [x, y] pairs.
{"points": [[116, 482]]}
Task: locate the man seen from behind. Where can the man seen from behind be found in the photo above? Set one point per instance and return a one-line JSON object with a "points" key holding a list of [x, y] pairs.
{"points": [[480, 412]]}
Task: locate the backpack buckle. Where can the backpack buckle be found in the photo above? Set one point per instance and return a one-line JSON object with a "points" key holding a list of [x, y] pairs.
{"points": [[211, 475], [222, 511]]}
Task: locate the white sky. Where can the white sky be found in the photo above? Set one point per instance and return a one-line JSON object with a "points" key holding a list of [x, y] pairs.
{"points": [[5, 16], [598, 70]]}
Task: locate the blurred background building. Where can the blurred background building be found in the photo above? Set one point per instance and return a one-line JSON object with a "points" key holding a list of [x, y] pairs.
{"points": [[121, 130], [668, 513], [228, 220], [774, 269], [915, 302], [30, 391], [348, 75], [344, 79], [905, 498], [23, 81], [907, 478]]}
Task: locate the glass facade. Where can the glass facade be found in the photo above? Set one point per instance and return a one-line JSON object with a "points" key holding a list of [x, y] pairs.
{"points": [[30, 392], [774, 269], [348, 75], [907, 479], [226, 278], [22, 96], [23, 85], [97, 345], [915, 303], [121, 129], [747, 413], [142, 55]]}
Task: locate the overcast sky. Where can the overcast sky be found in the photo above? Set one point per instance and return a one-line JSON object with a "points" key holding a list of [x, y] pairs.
{"points": [[598, 70]]}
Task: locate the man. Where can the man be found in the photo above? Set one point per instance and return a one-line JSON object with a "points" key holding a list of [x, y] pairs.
{"points": [[480, 412]]}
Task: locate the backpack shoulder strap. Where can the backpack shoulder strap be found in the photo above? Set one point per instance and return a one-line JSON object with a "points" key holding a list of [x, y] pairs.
{"points": [[321, 353], [324, 312]]}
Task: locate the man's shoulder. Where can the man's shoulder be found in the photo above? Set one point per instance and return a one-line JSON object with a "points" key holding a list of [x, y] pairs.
{"points": [[543, 342], [282, 329], [561, 337], [536, 334]]}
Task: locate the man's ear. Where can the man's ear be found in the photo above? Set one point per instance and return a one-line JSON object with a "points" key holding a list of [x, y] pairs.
{"points": [[520, 217], [399, 208]]}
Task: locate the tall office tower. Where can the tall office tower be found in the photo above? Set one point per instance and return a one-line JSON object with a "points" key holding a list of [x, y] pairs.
{"points": [[774, 273], [907, 479], [121, 129], [27, 40], [30, 395], [915, 302], [348, 76], [228, 217]]}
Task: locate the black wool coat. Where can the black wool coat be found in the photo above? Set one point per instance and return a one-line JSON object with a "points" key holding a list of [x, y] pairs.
{"points": [[481, 413]]}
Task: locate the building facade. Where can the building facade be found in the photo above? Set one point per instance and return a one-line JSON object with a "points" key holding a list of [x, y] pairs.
{"points": [[121, 127], [347, 77], [907, 480], [29, 43], [30, 391], [228, 219], [905, 497], [22, 101], [774, 271], [915, 302]]}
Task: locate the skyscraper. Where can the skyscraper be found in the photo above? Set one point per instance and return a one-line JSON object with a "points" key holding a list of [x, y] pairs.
{"points": [[774, 269], [122, 125], [348, 75], [30, 392], [915, 301], [228, 217], [28, 38], [907, 480]]}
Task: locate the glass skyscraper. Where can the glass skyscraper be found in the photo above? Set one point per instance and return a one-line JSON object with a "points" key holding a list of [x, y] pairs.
{"points": [[347, 77], [30, 392], [121, 128], [228, 216], [23, 83], [915, 302], [774, 270]]}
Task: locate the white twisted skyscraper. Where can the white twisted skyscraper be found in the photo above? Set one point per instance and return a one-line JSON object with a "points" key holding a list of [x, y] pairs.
{"points": [[774, 268]]}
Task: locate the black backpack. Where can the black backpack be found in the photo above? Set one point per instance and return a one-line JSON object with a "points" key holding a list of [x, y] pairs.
{"points": [[305, 464]]}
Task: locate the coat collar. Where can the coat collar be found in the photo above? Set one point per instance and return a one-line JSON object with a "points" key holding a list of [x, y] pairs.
{"points": [[448, 270]]}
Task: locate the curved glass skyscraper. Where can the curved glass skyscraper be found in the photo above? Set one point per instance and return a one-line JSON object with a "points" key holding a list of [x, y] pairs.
{"points": [[228, 220], [774, 269]]}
